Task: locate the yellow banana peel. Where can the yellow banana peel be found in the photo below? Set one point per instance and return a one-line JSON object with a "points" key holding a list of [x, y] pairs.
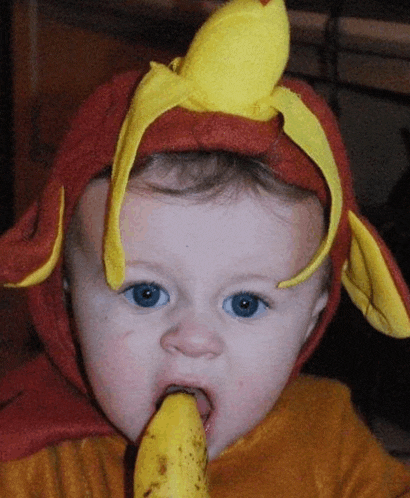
{"points": [[172, 457]]}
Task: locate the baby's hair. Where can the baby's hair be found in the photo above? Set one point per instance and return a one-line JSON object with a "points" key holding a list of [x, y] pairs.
{"points": [[207, 176]]}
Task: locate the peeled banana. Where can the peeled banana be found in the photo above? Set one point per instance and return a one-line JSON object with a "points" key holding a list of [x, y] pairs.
{"points": [[172, 457]]}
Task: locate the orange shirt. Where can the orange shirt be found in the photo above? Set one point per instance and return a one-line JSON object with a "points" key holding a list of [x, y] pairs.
{"points": [[311, 445]]}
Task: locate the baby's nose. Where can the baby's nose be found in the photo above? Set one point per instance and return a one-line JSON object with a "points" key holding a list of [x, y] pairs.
{"points": [[193, 338]]}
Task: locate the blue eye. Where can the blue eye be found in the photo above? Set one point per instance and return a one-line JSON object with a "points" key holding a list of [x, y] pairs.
{"points": [[244, 305], [147, 295]]}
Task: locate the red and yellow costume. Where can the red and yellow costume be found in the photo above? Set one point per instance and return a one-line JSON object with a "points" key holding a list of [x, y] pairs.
{"points": [[226, 94]]}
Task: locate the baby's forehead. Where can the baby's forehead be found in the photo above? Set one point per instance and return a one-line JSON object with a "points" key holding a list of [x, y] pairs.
{"points": [[151, 189], [147, 216]]}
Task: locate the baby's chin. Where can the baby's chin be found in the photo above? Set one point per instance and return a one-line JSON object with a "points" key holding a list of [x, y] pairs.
{"points": [[218, 445], [221, 434], [215, 450]]}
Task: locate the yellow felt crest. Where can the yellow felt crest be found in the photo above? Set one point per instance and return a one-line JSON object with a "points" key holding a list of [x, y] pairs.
{"points": [[44, 271]]}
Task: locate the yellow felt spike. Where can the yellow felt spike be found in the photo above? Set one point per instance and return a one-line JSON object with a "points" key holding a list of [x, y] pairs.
{"points": [[370, 285], [172, 457], [40, 274], [160, 90], [297, 119], [238, 56]]}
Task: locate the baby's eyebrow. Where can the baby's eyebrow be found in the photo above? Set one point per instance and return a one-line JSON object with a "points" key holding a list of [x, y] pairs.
{"points": [[151, 265], [252, 276], [247, 278], [237, 278]]}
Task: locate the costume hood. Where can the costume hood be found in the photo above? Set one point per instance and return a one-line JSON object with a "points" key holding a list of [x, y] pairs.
{"points": [[228, 94]]}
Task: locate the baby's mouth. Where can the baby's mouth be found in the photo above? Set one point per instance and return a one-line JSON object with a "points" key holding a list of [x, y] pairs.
{"points": [[203, 400]]}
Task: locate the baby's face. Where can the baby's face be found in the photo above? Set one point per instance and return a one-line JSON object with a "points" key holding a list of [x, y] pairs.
{"points": [[199, 306]]}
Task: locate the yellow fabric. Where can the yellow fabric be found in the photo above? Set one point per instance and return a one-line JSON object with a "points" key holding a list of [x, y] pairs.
{"points": [[44, 271], [298, 119], [75, 469], [238, 56], [367, 279], [233, 66], [312, 445]]}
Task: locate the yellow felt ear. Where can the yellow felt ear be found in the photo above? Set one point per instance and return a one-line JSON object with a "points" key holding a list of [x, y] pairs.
{"points": [[370, 284], [40, 274]]}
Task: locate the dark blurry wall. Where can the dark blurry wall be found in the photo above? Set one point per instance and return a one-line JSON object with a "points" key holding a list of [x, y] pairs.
{"points": [[6, 116]]}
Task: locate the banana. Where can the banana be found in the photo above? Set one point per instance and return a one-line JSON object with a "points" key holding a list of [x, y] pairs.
{"points": [[172, 457]]}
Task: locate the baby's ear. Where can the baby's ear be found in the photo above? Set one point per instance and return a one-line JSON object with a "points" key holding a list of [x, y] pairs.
{"points": [[319, 306]]}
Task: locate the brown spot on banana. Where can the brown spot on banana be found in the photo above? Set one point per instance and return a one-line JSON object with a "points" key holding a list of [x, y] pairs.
{"points": [[162, 465]]}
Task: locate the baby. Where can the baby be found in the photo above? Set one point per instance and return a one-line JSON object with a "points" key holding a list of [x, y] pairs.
{"points": [[199, 306], [193, 236]]}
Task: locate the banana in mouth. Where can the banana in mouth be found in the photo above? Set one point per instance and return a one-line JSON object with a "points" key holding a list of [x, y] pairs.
{"points": [[172, 457]]}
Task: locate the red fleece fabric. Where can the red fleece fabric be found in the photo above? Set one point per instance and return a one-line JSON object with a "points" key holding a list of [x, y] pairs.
{"points": [[87, 150], [40, 408]]}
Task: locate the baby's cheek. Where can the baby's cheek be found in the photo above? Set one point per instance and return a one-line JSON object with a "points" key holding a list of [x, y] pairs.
{"points": [[258, 395], [111, 359], [258, 389], [121, 383]]}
